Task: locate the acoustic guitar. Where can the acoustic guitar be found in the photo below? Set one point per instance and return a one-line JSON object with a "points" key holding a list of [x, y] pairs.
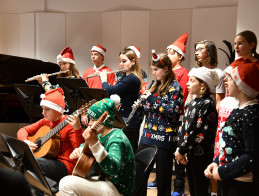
{"points": [[47, 140], [86, 161]]}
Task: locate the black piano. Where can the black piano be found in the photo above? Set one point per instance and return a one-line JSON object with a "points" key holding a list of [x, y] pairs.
{"points": [[15, 70]]}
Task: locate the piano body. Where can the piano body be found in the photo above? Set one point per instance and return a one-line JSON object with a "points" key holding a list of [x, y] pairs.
{"points": [[15, 70]]}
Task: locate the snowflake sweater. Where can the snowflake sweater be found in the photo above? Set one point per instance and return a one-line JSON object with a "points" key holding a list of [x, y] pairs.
{"points": [[238, 152], [115, 156]]}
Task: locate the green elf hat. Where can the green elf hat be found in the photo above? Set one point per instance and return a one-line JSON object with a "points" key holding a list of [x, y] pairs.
{"points": [[106, 104]]}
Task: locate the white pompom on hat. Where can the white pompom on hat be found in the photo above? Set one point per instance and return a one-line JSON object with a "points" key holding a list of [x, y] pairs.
{"points": [[54, 99], [66, 55], [209, 76], [135, 49], [100, 49], [180, 44]]}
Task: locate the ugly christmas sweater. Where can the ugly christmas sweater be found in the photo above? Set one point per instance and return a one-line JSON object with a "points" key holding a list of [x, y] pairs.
{"points": [[238, 151], [162, 116], [115, 156], [197, 133]]}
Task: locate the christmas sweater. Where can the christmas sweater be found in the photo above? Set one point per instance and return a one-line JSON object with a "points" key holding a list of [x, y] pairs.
{"points": [[128, 90], [197, 132], [115, 156], [225, 108], [69, 139], [238, 152], [95, 82], [162, 116]]}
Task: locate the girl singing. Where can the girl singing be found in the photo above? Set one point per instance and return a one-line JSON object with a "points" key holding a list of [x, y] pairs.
{"points": [[162, 106]]}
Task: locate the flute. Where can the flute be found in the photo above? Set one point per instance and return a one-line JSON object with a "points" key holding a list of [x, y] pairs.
{"points": [[39, 76], [136, 107], [97, 74]]}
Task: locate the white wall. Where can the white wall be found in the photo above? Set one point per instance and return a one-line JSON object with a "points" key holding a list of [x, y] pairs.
{"points": [[44, 35], [215, 24], [247, 17]]}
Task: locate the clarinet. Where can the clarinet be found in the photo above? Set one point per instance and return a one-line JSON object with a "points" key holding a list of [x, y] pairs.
{"points": [[136, 107]]}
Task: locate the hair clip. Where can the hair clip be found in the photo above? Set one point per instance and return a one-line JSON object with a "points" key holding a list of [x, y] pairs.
{"points": [[156, 57]]}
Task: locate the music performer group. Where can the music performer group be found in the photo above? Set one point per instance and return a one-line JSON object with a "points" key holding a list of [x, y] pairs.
{"points": [[113, 148]]}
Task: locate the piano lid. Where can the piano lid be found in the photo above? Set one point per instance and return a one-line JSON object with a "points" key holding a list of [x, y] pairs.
{"points": [[14, 69]]}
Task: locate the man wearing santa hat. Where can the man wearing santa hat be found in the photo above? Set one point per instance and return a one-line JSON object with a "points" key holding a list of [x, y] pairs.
{"points": [[70, 136], [97, 55]]}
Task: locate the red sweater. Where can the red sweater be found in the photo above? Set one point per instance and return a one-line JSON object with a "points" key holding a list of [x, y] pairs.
{"points": [[182, 77], [95, 82], [70, 139]]}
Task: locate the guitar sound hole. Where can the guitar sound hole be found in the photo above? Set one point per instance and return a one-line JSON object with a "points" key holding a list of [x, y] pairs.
{"points": [[39, 143]]}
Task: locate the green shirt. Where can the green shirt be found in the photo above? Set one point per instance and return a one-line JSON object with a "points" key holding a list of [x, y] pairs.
{"points": [[119, 165]]}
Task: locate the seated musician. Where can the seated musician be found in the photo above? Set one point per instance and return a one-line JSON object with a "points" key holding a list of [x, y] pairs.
{"points": [[113, 153], [70, 136]]}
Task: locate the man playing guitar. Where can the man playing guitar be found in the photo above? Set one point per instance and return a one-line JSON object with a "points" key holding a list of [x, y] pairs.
{"points": [[113, 153], [70, 136]]}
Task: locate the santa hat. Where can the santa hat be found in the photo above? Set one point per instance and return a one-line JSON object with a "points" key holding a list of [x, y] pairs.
{"points": [[245, 76], [241, 60], [106, 104], [180, 44], [54, 99], [209, 76], [100, 49], [66, 55], [156, 57], [135, 49]]}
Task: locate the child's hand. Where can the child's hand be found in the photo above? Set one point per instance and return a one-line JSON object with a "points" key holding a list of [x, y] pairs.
{"points": [[76, 153], [208, 172], [74, 121], [216, 173], [90, 136]]}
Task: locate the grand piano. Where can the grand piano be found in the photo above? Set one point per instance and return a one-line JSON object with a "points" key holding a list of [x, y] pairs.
{"points": [[15, 70]]}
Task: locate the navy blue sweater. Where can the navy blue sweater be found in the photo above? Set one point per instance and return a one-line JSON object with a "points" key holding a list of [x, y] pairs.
{"points": [[128, 90]]}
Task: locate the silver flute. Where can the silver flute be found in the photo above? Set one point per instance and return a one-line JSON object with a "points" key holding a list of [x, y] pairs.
{"points": [[136, 107]]}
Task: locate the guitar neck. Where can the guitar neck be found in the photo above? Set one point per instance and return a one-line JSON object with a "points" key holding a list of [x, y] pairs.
{"points": [[53, 131]]}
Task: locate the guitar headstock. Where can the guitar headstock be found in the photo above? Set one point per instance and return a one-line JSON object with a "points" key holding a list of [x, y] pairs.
{"points": [[84, 109]]}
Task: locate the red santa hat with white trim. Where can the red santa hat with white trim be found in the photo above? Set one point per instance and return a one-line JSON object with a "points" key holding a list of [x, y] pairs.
{"points": [[66, 55], [180, 44], [245, 76], [135, 49], [100, 49], [54, 99]]}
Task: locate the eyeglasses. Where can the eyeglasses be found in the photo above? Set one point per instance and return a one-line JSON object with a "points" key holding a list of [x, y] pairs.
{"points": [[199, 49]]}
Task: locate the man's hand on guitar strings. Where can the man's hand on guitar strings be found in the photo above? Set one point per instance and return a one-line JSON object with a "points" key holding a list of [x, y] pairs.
{"points": [[31, 145], [76, 153], [74, 121]]}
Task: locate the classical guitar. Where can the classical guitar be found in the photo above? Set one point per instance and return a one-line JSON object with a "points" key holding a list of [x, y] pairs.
{"points": [[48, 141], [86, 161]]}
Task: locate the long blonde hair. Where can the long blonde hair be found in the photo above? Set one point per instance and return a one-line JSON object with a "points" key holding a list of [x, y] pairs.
{"points": [[135, 69], [161, 88]]}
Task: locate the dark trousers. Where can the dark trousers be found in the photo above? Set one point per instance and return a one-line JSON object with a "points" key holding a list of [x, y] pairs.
{"points": [[53, 170], [179, 180], [198, 183], [237, 188], [133, 136], [164, 164]]}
